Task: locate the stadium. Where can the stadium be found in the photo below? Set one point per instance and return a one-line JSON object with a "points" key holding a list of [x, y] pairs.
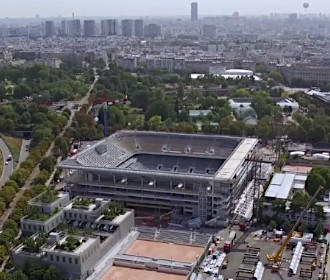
{"points": [[196, 177]]}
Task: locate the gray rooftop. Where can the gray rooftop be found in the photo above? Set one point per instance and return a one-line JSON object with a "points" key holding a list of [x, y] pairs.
{"points": [[161, 152]]}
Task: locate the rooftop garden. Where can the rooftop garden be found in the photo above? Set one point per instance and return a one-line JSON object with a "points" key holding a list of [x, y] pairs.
{"points": [[71, 243], [83, 202], [48, 196], [114, 210], [36, 215], [33, 245]]}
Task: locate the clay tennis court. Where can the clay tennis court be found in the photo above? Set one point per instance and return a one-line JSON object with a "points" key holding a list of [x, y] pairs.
{"points": [[165, 251], [125, 273]]}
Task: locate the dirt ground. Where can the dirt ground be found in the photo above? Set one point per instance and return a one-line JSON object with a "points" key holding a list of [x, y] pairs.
{"points": [[166, 251], [125, 273]]}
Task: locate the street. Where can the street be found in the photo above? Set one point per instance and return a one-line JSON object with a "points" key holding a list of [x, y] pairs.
{"points": [[7, 169], [24, 152]]}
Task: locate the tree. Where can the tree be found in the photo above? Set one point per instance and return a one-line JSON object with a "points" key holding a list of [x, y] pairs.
{"points": [[3, 253], [116, 118], [20, 176], [208, 102], [141, 99], [62, 146], [8, 193], [155, 123], [314, 181], [138, 122], [287, 225], [48, 163], [272, 224], [319, 230], [52, 274], [261, 104], [22, 90], [277, 76], [278, 205], [317, 134], [299, 201], [161, 108]]}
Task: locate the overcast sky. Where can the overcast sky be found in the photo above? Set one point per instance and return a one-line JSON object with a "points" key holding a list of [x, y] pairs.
{"points": [[47, 8]]}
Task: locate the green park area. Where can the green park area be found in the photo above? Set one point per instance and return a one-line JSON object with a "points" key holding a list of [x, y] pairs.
{"points": [[14, 145]]}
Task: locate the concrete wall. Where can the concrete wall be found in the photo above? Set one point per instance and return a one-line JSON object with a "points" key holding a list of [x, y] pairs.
{"points": [[127, 224], [75, 266], [82, 215], [49, 208], [32, 226]]}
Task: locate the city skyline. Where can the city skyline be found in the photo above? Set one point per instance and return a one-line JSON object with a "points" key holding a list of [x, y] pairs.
{"points": [[15, 8]]}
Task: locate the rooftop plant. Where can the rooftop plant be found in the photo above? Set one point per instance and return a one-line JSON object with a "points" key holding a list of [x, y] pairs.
{"points": [[48, 196], [114, 210], [33, 245], [83, 202], [71, 243], [36, 215]]}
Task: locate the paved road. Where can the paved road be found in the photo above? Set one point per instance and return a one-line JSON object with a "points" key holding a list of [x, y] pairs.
{"points": [[23, 153], [36, 170], [7, 169]]}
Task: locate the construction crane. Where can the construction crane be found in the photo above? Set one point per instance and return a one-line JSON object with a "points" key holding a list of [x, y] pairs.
{"points": [[277, 258], [106, 103]]}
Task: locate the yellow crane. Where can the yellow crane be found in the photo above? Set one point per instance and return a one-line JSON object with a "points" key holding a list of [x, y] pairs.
{"points": [[277, 258]]}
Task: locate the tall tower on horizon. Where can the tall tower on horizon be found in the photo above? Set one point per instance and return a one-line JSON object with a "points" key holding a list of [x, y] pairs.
{"points": [[138, 28], [89, 28], [194, 11], [49, 28]]}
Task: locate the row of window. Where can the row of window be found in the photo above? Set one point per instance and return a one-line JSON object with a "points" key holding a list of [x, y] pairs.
{"points": [[75, 215], [40, 228], [69, 260]]}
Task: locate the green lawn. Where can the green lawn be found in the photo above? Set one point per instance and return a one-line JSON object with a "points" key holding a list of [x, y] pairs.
{"points": [[14, 145]]}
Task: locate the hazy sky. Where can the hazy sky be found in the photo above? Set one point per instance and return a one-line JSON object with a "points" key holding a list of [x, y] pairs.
{"points": [[46, 8]]}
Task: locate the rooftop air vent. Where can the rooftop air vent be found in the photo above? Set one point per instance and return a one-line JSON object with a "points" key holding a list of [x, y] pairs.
{"points": [[101, 149]]}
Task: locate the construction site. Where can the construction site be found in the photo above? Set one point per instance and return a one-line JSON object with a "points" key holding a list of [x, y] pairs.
{"points": [[244, 251]]}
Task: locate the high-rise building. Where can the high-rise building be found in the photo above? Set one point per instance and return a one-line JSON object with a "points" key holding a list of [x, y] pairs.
{"points": [[152, 31], [138, 28], [209, 31], [108, 27], [194, 11], [127, 28], [49, 28], [64, 31], [89, 28], [74, 28]]}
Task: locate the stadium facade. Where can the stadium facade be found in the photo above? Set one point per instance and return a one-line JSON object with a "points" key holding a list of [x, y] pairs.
{"points": [[196, 176]]}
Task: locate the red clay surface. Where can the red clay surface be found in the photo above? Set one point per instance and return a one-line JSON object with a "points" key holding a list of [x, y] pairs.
{"points": [[165, 251], [125, 273]]}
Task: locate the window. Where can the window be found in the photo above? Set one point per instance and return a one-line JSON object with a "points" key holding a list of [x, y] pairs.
{"points": [[70, 260], [51, 257], [63, 259], [57, 258], [76, 261]]}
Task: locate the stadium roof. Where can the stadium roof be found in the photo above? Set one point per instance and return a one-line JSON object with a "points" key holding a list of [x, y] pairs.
{"points": [[162, 152], [230, 167]]}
